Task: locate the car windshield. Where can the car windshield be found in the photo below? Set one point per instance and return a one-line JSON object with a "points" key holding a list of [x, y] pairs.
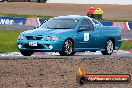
{"points": [[60, 24]]}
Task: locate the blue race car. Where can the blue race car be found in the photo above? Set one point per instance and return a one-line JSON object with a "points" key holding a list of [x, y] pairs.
{"points": [[68, 35]]}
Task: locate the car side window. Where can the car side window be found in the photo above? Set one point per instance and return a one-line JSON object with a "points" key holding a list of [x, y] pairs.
{"points": [[87, 24], [96, 22]]}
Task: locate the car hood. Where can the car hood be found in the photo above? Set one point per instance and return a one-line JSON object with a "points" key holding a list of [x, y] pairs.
{"points": [[43, 32]]}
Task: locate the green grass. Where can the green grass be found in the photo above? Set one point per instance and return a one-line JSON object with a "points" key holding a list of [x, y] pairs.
{"points": [[126, 45], [8, 40], [27, 16]]}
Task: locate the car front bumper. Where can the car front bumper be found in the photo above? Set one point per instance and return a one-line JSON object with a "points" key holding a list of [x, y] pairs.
{"points": [[42, 46]]}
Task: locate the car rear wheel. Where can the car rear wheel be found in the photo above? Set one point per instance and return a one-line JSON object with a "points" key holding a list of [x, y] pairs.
{"points": [[26, 52], [68, 48], [108, 48]]}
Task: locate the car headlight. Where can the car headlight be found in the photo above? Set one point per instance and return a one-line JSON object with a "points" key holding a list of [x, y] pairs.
{"points": [[21, 37], [54, 38]]}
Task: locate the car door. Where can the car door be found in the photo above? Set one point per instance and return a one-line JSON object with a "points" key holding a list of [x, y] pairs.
{"points": [[87, 39]]}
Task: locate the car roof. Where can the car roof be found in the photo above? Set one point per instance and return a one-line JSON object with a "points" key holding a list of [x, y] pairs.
{"points": [[78, 17]]}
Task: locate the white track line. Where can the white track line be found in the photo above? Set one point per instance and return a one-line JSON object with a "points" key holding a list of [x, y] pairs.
{"points": [[116, 52]]}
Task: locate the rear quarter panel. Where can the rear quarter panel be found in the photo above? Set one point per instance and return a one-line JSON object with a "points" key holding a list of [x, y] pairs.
{"points": [[109, 32]]}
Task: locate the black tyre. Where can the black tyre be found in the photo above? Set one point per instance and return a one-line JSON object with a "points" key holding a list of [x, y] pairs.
{"points": [[108, 48], [68, 48], [26, 53]]}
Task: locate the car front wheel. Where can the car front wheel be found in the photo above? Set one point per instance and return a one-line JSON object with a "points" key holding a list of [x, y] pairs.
{"points": [[26, 52], [68, 48], [108, 48]]}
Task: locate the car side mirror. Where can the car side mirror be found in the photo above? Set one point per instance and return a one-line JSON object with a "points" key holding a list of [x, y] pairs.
{"points": [[45, 21], [82, 29]]}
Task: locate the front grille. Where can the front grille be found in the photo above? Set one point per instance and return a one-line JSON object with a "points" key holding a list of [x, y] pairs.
{"points": [[39, 46], [33, 38]]}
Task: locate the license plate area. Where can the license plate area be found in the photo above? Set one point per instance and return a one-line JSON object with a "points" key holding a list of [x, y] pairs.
{"points": [[32, 43]]}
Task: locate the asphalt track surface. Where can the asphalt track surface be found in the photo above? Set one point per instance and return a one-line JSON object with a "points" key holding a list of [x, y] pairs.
{"points": [[127, 34]]}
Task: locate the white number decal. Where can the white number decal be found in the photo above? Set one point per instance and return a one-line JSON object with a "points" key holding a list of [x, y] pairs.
{"points": [[32, 43], [86, 36]]}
